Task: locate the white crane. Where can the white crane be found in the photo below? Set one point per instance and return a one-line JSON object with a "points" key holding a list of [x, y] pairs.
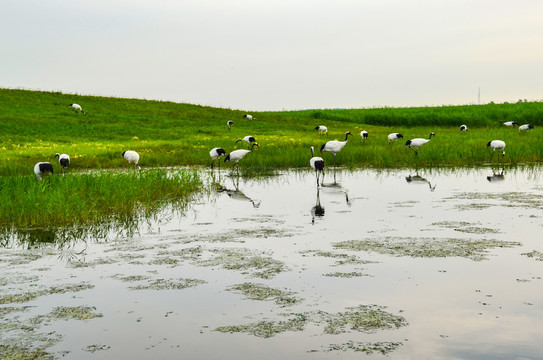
{"points": [[215, 154], [248, 117], [237, 155], [229, 123], [317, 163], [496, 145], [77, 107], [42, 169], [416, 143], [463, 128], [335, 146], [132, 157], [525, 127], [248, 139], [63, 160], [364, 134], [509, 123], [393, 137], [322, 129]]}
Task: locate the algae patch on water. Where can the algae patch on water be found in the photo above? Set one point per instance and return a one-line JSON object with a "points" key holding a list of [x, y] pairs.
{"points": [[31, 295], [427, 247], [262, 292], [346, 275], [465, 227], [168, 284], [537, 255], [510, 199], [363, 318], [78, 313], [341, 259], [255, 264], [366, 347]]}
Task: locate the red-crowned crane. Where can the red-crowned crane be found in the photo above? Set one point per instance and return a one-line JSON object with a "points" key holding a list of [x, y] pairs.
{"points": [[525, 127], [322, 129], [317, 163], [394, 137], [496, 145], [364, 134], [248, 139], [509, 123], [335, 146], [229, 123], [463, 128], [63, 160], [215, 154], [42, 169], [77, 107], [416, 143], [237, 155], [132, 157]]}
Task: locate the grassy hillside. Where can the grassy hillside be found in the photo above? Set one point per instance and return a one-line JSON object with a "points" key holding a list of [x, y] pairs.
{"points": [[35, 125]]}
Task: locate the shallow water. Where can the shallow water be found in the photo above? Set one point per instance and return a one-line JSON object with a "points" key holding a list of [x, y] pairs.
{"points": [[441, 264]]}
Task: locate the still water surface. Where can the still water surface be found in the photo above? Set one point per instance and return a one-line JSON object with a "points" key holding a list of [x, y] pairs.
{"points": [[451, 260]]}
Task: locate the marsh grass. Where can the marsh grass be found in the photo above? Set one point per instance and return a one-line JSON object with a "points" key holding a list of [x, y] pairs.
{"points": [[89, 200]]}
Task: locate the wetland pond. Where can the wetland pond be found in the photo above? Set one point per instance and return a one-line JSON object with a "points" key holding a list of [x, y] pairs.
{"points": [[396, 264]]}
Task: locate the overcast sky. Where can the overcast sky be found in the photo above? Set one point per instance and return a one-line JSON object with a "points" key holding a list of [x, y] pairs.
{"points": [[277, 54]]}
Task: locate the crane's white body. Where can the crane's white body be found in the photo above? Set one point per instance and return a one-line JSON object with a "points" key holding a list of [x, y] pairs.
{"points": [[63, 160], [322, 129], [132, 157], [394, 137], [42, 169]]}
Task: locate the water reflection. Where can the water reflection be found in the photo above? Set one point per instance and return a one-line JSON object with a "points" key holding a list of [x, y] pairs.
{"points": [[318, 209], [497, 175], [235, 193], [417, 179], [335, 186]]}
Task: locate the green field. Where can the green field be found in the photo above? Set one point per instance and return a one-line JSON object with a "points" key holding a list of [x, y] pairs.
{"points": [[35, 125]]}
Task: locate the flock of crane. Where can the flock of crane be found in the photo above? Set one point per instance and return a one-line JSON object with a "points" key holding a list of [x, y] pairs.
{"points": [[42, 169]]}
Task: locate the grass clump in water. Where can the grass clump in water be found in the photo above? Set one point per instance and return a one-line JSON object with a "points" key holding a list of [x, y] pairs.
{"points": [[242, 259], [537, 255], [262, 292], [384, 348], [427, 247], [28, 296], [78, 313], [168, 284], [363, 318]]}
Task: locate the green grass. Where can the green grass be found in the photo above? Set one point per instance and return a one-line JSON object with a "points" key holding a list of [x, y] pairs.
{"points": [[96, 201], [34, 125]]}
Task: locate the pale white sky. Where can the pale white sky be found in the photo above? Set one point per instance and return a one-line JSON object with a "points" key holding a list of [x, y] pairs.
{"points": [[280, 54]]}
